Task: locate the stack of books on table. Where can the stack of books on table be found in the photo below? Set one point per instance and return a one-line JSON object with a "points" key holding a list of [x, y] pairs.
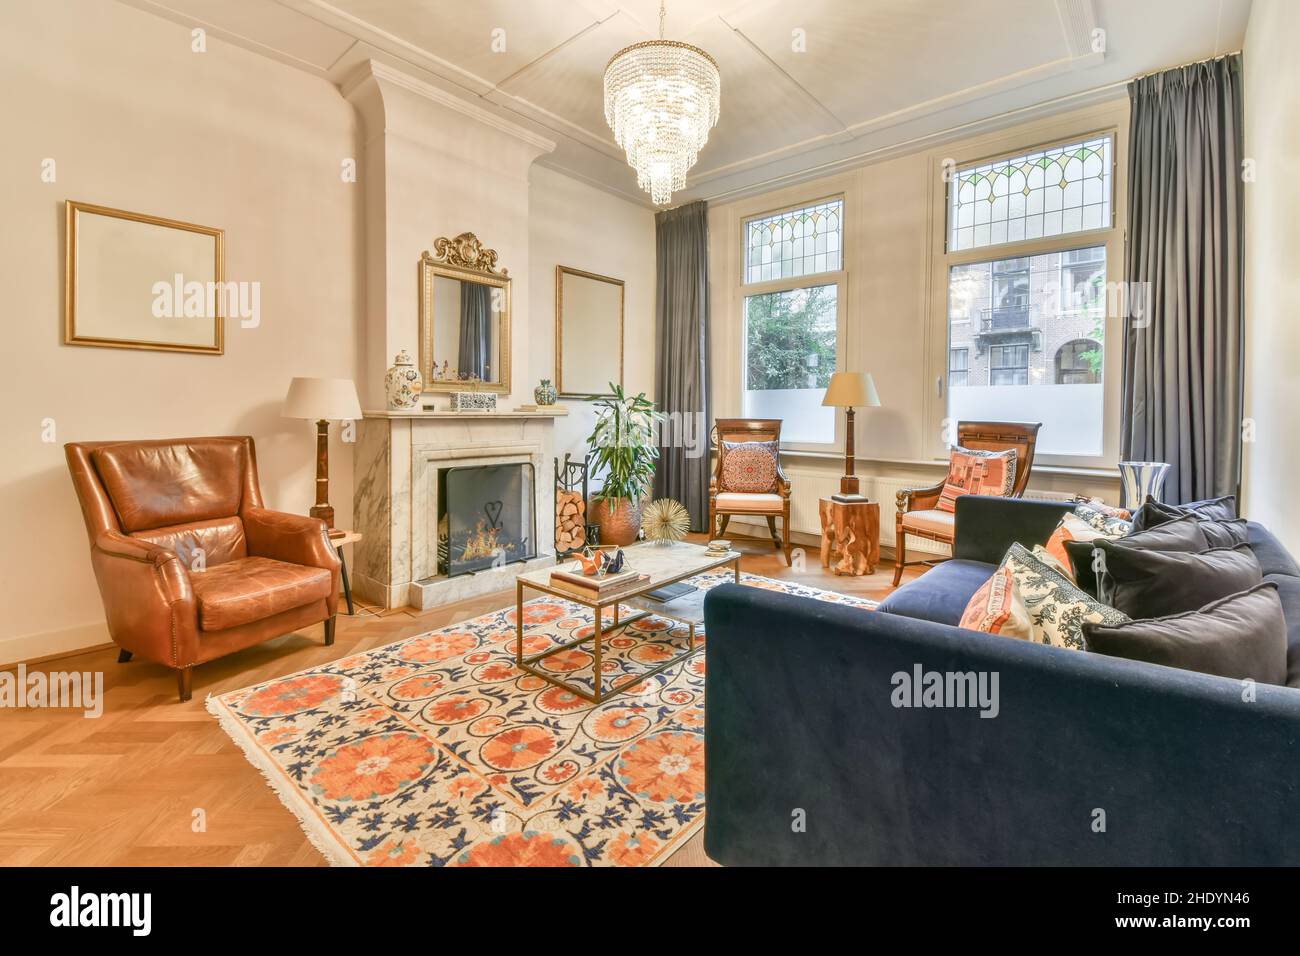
{"points": [[592, 588]]}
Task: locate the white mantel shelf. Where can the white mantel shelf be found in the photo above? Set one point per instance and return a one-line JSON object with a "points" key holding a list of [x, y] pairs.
{"points": [[421, 413]]}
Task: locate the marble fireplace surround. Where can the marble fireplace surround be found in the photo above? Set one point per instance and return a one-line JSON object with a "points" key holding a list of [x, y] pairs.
{"points": [[397, 460]]}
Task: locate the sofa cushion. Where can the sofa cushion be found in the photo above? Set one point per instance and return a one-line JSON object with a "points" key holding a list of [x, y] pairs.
{"points": [[1056, 608], [1239, 636], [1146, 584], [1281, 569], [931, 521], [250, 589], [942, 593], [1153, 513], [737, 503], [160, 483]]}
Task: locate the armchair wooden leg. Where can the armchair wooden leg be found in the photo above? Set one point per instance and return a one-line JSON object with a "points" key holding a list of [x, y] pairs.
{"points": [[725, 519], [185, 683], [900, 555], [789, 563], [329, 630], [713, 520], [123, 656], [771, 529]]}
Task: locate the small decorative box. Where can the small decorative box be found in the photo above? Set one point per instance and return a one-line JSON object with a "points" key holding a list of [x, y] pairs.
{"points": [[473, 401]]}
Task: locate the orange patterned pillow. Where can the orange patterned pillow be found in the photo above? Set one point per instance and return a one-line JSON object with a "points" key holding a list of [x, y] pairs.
{"points": [[976, 472], [749, 467], [997, 608]]}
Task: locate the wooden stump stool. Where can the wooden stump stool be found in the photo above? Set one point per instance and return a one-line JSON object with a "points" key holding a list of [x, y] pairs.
{"points": [[850, 536]]}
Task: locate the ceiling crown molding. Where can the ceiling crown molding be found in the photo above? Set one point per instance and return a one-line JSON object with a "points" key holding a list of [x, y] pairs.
{"points": [[383, 73]]}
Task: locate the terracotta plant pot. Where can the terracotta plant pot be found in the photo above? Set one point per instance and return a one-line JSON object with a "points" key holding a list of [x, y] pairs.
{"points": [[618, 525]]}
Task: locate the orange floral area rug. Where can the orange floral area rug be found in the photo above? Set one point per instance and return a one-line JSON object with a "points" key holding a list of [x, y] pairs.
{"points": [[437, 751]]}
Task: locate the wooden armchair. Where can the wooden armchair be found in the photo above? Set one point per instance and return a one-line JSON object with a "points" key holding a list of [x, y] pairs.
{"points": [[750, 487], [918, 508]]}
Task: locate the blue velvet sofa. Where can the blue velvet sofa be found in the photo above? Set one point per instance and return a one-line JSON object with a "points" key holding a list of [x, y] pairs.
{"points": [[1090, 760]]}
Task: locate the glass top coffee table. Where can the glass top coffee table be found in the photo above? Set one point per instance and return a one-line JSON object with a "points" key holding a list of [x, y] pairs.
{"points": [[665, 564]]}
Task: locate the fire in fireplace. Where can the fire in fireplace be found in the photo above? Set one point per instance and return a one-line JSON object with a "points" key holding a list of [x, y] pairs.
{"points": [[485, 517]]}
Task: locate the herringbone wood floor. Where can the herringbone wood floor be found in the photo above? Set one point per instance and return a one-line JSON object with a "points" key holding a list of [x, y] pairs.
{"points": [[125, 789]]}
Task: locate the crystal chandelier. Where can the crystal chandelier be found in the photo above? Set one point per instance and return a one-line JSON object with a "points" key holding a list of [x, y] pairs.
{"points": [[661, 100]]}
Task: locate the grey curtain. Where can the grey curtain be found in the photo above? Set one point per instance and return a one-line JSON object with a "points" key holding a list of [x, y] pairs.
{"points": [[475, 330], [682, 362], [1183, 353]]}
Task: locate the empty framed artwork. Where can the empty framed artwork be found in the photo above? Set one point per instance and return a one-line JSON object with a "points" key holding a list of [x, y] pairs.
{"points": [[588, 332], [136, 281]]}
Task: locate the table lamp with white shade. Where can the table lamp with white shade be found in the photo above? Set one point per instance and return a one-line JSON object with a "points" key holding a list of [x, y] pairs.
{"points": [[850, 390], [322, 400]]}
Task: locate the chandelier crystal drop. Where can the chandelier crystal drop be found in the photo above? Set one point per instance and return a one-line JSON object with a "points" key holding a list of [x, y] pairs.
{"points": [[661, 100]]}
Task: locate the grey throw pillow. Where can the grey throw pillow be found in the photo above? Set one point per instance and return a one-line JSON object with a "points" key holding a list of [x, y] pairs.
{"points": [[1239, 636], [1147, 584]]}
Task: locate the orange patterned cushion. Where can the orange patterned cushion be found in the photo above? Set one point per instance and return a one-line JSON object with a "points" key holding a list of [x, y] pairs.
{"points": [[997, 608], [749, 466], [976, 472]]}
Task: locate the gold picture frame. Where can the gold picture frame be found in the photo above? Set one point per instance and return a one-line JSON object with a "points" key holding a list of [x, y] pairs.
{"points": [[463, 258], [593, 349], [91, 316]]}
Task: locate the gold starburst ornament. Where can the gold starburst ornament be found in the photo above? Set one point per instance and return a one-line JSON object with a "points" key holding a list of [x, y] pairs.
{"points": [[665, 521]]}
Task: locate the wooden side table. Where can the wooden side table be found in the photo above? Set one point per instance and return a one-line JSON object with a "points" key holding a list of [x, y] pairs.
{"points": [[338, 538], [850, 536]]}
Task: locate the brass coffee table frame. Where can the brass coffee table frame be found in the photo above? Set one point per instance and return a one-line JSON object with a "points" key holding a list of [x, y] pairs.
{"points": [[599, 634]]}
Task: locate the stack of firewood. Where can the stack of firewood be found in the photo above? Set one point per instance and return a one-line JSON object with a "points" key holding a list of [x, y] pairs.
{"points": [[570, 520]]}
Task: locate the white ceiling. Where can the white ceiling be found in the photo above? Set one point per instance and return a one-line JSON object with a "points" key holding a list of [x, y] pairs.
{"points": [[876, 75]]}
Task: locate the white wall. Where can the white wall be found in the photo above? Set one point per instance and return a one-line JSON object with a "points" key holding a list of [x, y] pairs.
{"points": [[135, 120], [573, 224], [1272, 108]]}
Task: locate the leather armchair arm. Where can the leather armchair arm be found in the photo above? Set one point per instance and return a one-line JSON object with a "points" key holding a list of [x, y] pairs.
{"points": [[294, 539], [148, 599], [918, 499]]}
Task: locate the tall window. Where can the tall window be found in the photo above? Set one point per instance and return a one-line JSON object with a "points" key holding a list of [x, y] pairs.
{"points": [[1026, 265], [792, 274]]}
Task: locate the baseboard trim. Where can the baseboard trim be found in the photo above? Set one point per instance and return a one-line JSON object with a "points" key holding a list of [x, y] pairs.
{"points": [[54, 645]]}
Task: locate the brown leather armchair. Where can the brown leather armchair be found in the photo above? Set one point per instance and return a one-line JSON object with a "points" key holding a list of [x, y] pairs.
{"points": [[918, 508], [771, 503], [190, 565]]}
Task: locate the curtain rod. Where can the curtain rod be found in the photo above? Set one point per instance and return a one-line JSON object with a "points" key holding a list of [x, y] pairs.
{"points": [[1180, 66]]}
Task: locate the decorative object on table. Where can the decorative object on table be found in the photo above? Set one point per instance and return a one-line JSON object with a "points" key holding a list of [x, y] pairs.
{"points": [[748, 480], [592, 561], [850, 390], [545, 394], [665, 520], [919, 511], [570, 506], [719, 546], [465, 312], [850, 535], [1138, 479], [322, 400], [623, 448], [615, 562], [661, 99], [402, 383], [130, 279], [473, 401], [588, 321]]}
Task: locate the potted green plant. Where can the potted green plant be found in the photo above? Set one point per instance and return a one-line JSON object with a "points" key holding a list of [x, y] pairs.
{"points": [[623, 449]]}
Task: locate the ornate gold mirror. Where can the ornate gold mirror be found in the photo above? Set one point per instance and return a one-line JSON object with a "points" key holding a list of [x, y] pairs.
{"points": [[464, 317]]}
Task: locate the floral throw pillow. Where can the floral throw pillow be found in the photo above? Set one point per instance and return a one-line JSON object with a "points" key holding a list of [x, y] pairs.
{"points": [[1083, 524], [972, 471], [1057, 609], [749, 467], [996, 608]]}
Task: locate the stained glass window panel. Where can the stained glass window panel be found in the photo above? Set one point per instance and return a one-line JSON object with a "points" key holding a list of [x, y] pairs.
{"points": [[1051, 192], [797, 242]]}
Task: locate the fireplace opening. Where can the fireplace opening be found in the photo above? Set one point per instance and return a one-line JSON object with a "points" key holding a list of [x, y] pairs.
{"points": [[485, 517]]}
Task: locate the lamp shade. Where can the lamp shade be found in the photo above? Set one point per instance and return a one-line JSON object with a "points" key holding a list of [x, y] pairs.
{"points": [[851, 390], [322, 399]]}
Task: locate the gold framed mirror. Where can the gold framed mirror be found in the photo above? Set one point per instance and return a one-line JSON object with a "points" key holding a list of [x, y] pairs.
{"points": [[588, 332], [464, 317]]}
